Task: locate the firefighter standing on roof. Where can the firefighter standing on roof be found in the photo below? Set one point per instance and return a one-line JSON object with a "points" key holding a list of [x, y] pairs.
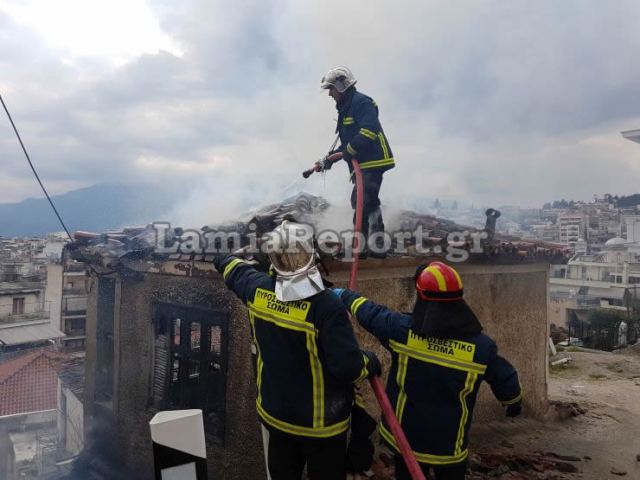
{"points": [[307, 358], [362, 137], [439, 358]]}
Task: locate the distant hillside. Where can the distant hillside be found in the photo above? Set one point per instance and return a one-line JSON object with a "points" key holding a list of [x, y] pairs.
{"points": [[96, 208]]}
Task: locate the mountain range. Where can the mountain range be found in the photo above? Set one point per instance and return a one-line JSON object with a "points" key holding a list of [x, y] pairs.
{"points": [[97, 208]]}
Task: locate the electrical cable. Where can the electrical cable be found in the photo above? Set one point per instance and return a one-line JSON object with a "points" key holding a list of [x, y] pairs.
{"points": [[55, 210]]}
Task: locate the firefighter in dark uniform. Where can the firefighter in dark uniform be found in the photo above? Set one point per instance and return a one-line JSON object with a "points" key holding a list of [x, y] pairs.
{"points": [[439, 358], [308, 359], [362, 137]]}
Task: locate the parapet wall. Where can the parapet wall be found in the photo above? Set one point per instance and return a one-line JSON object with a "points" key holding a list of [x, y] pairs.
{"points": [[510, 301]]}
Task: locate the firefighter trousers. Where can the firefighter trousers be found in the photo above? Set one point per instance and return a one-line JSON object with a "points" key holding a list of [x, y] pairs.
{"points": [[288, 454]]}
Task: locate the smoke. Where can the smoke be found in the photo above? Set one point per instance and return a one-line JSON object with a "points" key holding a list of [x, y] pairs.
{"points": [[483, 104]]}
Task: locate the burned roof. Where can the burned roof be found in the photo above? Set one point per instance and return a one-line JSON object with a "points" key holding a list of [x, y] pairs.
{"points": [[160, 242]]}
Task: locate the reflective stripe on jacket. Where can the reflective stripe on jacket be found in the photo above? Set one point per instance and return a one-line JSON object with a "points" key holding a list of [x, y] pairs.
{"points": [[433, 382], [361, 133], [307, 354]]}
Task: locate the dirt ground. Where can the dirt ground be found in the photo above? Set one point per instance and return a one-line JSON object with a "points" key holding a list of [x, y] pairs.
{"points": [[593, 430]]}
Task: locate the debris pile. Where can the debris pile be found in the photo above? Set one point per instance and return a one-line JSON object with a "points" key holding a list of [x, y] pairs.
{"points": [[507, 464], [199, 245], [502, 464]]}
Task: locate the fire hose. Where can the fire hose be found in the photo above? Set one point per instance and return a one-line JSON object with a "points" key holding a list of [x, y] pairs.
{"points": [[376, 384]]}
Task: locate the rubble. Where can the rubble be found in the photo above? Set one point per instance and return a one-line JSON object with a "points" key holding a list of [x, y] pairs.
{"points": [[107, 249], [615, 471], [526, 466]]}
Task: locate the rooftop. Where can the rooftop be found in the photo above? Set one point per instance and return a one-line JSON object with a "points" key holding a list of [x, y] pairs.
{"points": [[28, 383], [633, 135], [114, 249]]}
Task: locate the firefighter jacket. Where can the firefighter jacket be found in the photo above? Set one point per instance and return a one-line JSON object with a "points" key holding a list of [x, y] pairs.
{"points": [[360, 132], [307, 355], [433, 382]]}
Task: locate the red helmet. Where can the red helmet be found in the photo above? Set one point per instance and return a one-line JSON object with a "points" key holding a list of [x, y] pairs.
{"points": [[439, 282]]}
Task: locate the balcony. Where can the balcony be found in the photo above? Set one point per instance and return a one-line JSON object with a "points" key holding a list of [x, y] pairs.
{"points": [[75, 268], [30, 311], [74, 306], [74, 291]]}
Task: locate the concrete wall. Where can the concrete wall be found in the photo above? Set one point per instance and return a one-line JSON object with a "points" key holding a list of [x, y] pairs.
{"points": [[558, 311], [70, 421], [510, 301], [53, 294]]}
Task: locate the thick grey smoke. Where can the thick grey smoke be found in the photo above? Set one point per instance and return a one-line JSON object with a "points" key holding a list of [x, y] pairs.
{"points": [[486, 102]]}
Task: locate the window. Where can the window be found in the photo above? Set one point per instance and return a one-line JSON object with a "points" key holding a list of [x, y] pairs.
{"points": [[190, 363], [18, 305], [75, 326]]}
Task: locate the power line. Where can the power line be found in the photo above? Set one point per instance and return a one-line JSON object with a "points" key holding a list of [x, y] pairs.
{"points": [[34, 170]]}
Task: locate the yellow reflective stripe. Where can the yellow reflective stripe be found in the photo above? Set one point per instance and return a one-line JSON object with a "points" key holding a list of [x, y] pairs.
{"points": [[259, 362], [230, 266], [351, 150], [368, 133], [514, 400], [359, 401], [469, 383], [442, 283], [318, 382], [377, 163], [323, 432], [364, 372], [441, 360], [267, 316], [383, 144], [356, 305], [425, 457], [348, 121], [401, 375]]}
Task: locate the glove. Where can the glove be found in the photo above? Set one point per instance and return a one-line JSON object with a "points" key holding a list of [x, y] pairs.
{"points": [[374, 368], [326, 164], [338, 291], [514, 410], [217, 260]]}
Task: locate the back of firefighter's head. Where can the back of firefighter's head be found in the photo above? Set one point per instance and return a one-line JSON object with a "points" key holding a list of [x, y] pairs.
{"points": [[338, 80], [438, 282], [291, 250], [440, 310]]}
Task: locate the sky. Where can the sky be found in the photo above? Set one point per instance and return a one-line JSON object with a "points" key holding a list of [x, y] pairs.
{"points": [[487, 102]]}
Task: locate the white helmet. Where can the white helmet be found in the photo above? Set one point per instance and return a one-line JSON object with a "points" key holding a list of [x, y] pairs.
{"points": [[293, 256], [339, 77]]}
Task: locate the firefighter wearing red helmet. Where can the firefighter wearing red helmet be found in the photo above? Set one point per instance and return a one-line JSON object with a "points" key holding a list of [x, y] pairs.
{"points": [[439, 359]]}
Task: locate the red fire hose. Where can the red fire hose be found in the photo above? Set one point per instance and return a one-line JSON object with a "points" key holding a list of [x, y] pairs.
{"points": [[376, 384]]}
